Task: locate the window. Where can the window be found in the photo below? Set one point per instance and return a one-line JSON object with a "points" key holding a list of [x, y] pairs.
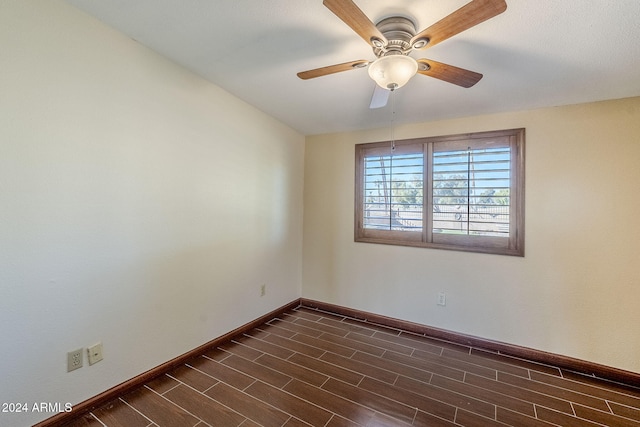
{"points": [[461, 192]]}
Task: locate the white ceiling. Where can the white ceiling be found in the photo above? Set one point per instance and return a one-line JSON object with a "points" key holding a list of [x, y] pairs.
{"points": [[538, 53]]}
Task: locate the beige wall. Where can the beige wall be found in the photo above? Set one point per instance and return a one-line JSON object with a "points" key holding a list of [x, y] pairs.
{"points": [[139, 205], [575, 292]]}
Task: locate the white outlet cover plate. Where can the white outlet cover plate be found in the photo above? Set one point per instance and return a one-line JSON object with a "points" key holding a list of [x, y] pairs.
{"points": [[95, 353], [74, 360]]}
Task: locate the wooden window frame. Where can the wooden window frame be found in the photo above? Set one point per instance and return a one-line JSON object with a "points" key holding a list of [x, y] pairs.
{"points": [[511, 245]]}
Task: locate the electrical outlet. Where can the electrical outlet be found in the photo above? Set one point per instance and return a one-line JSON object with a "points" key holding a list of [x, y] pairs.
{"points": [[74, 360], [95, 353], [442, 299], [263, 290]]}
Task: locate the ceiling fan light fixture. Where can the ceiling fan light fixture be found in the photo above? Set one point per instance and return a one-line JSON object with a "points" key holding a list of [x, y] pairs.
{"points": [[393, 71]]}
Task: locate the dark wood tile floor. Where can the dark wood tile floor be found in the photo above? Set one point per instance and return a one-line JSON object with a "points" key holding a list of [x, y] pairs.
{"points": [[310, 368]]}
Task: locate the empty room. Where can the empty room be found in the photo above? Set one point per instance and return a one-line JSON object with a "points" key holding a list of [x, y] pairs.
{"points": [[319, 213]]}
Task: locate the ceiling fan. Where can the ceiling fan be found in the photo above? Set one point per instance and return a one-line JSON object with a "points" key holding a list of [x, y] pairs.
{"points": [[393, 38]]}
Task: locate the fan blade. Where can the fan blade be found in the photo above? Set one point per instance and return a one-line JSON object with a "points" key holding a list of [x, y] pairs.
{"points": [[448, 73], [379, 98], [319, 72], [355, 18], [469, 15]]}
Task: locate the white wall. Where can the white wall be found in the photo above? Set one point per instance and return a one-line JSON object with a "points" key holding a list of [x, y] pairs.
{"points": [[575, 292], [139, 205]]}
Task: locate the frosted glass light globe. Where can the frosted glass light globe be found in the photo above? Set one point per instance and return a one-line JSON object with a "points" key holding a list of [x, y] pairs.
{"points": [[393, 71]]}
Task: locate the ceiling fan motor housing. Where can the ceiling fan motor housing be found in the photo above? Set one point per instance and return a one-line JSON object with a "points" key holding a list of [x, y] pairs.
{"points": [[398, 30]]}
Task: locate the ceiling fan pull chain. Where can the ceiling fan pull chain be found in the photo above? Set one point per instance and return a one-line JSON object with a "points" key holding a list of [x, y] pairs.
{"points": [[393, 116]]}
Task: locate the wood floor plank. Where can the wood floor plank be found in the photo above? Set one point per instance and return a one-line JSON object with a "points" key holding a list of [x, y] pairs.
{"points": [[625, 389], [603, 417], [240, 350], [305, 314], [349, 327], [193, 378], [554, 391], [470, 419], [385, 366], [162, 384], [248, 423], [320, 313], [380, 343], [626, 398], [290, 325], [562, 419], [276, 330], [515, 419], [298, 405], [222, 373], [338, 421], [158, 409], [484, 395], [371, 400], [355, 365], [373, 326], [295, 346], [256, 409], [330, 402], [425, 365], [497, 365], [327, 368], [352, 344], [461, 365], [295, 371], [515, 361], [204, 407], [415, 343], [382, 420], [255, 333], [255, 370], [424, 419], [217, 354], [294, 422], [436, 342], [520, 393], [446, 396], [325, 345], [285, 317], [424, 403], [321, 327], [625, 411], [257, 343], [118, 414]]}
